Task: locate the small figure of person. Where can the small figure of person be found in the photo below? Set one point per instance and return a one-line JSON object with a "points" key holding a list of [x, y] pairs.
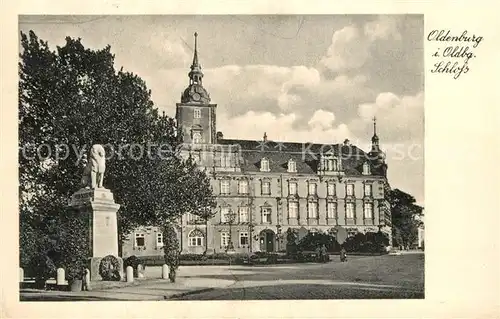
{"points": [[343, 255], [86, 280], [323, 254], [319, 256]]}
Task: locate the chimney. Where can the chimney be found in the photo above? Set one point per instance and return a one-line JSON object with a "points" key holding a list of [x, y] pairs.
{"points": [[265, 137]]}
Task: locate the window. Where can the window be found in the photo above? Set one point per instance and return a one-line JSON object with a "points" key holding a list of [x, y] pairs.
{"points": [[224, 187], [331, 164], [243, 187], [266, 215], [331, 189], [243, 212], [349, 213], [244, 239], [312, 210], [368, 210], [264, 165], [159, 240], [350, 189], [225, 160], [366, 169], [224, 214], [368, 190], [331, 210], [292, 166], [293, 209], [196, 238], [196, 138], [312, 189], [197, 113], [224, 239], [266, 188], [292, 188], [140, 240]]}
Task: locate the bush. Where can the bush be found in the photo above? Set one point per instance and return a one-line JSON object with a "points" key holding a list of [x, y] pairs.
{"points": [[171, 249], [109, 268]]}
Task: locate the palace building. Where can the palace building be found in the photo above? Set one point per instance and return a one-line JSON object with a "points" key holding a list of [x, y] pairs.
{"points": [[264, 187]]}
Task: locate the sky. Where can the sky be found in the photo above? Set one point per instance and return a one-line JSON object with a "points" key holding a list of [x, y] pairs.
{"points": [[313, 78]]}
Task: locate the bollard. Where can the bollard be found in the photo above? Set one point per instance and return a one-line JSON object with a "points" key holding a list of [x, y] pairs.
{"points": [[21, 274], [164, 271], [130, 274], [140, 271], [61, 279]]}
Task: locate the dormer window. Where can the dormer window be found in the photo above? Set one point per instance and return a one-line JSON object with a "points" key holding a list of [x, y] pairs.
{"points": [[292, 166], [330, 163], [366, 169], [264, 165], [197, 138], [197, 113]]}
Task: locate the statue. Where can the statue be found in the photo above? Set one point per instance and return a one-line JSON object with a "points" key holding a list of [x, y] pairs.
{"points": [[93, 174]]}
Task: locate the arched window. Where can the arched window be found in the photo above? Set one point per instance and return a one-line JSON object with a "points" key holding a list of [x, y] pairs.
{"points": [[264, 165], [196, 238], [292, 166], [197, 138], [366, 169]]}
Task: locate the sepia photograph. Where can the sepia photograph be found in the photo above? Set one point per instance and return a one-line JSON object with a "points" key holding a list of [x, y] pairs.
{"points": [[221, 157]]}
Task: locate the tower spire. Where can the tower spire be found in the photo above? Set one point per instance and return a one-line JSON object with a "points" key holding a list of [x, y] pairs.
{"points": [[374, 126], [195, 57]]}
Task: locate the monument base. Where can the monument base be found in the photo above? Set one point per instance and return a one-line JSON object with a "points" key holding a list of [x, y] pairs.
{"points": [[93, 266]]}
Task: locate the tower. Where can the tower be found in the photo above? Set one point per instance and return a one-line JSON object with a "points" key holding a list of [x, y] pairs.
{"points": [[195, 114], [376, 155]]}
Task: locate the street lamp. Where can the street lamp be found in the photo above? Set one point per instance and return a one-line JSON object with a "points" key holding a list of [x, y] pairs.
{"points": [[231, 216]]}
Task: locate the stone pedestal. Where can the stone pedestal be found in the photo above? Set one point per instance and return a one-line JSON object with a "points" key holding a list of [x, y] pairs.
{"points": [[103, 227]]}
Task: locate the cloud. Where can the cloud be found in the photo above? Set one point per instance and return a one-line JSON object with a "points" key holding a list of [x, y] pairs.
{"points": [[280, 127], [399, 118], [351, 46]]}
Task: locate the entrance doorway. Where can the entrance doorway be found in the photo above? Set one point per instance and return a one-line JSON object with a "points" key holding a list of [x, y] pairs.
{"points": [[267, 240]]}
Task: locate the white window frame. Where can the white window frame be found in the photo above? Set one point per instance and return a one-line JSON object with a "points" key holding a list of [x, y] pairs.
{"points": [[224, 214], [264, 165], [312, 188], [266, 211], [224, 239], [368, 211], [197, 138], [225, 186], [137, 236], [293, 210], [263, 190], [312, 210], [349, 213], [331, 189], [243, 187], [366, 169], [244, 234], [368, 190], [349, 189], [294, 188], [331, 210], [196, 241], [292, 166], [243, 211], [159, 240], [197, 113]]}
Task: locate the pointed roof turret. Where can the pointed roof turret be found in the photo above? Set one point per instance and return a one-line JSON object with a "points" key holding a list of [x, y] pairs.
{"points": [[195, 92]]}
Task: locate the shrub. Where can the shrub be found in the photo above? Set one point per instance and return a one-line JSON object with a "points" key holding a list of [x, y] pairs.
{"points": [[134, 262], [109, 268], [171, 249]]}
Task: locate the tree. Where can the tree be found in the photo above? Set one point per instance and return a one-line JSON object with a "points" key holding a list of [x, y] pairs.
{"points": [[72, 98], [405, 222]]}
